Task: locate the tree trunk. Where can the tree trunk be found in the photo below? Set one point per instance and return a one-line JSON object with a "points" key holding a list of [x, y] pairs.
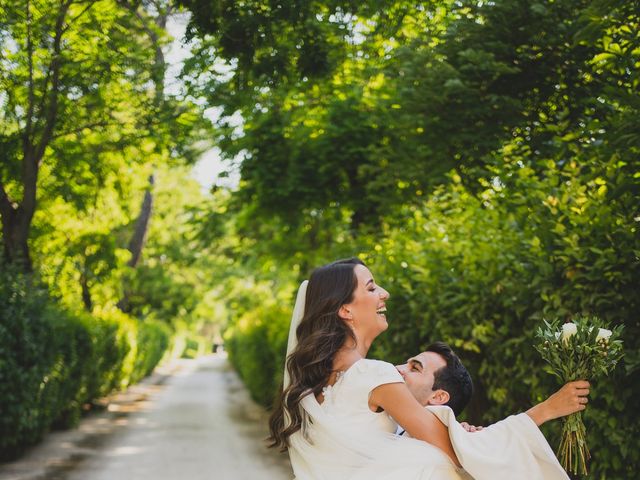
{"points": [[15, 234], [137, 241], [142, 224], [86, 293]]}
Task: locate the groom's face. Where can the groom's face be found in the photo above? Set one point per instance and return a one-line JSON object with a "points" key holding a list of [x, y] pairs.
{"points": [[418, 374]]}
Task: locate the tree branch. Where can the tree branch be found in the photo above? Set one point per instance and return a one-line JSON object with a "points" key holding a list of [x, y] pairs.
{"points": [[52, 107], [85, 10], [158, 71], [83, 127], [31, 94]]}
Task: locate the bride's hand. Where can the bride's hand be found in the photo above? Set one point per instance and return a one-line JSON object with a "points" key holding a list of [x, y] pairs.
{"points": [[571, 398], [470, 428]]}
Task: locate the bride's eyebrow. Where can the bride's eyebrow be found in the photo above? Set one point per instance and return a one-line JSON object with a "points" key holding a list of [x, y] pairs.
{"points": [[370, 281]]}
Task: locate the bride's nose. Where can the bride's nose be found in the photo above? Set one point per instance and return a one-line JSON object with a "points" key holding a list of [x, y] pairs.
{"points": [[384, 294]]}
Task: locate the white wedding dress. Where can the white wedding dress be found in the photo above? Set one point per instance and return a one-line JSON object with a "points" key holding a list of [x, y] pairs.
{"points": [[346, 440]]}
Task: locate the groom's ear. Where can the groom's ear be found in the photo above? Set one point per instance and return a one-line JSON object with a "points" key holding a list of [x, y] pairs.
{"points": [[345, 313], [439, 397]]}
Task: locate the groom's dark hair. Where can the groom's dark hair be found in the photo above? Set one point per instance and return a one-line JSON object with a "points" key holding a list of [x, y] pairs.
{"points": [[452, 378]]}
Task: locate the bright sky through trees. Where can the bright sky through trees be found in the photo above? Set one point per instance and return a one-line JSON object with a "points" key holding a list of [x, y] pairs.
{"points": [[209, 167]]}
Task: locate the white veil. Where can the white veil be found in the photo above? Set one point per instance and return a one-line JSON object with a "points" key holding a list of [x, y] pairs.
{"points": [[296, 317]]}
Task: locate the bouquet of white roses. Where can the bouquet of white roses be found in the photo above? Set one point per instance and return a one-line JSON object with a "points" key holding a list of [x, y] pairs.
{"points": [[579, 350]]}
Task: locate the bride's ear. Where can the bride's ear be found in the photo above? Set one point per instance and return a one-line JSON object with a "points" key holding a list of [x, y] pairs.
{"points": [[345, 313]]}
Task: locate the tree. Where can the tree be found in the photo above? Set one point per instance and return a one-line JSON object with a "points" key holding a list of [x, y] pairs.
{"points": [[79, 84], [408, 93]]}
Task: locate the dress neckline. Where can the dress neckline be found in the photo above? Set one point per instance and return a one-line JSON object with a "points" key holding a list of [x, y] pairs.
{"points": [[340, 374]]}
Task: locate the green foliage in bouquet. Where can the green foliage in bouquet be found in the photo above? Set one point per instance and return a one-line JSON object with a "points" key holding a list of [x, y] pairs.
{"points": [[578, 350]]}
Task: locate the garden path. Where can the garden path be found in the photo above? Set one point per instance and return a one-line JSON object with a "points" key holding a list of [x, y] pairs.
{"points": [[198, 424]]}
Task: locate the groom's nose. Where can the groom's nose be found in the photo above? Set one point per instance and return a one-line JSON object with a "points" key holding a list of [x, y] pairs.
{"points": [[402, 369]]}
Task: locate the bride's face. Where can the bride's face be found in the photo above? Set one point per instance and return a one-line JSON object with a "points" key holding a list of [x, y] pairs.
{"points": [[367, 310]]}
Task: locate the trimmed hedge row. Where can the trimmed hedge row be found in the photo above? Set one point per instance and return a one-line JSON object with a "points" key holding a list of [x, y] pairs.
{"points": [[256, 346], [53, 361]]}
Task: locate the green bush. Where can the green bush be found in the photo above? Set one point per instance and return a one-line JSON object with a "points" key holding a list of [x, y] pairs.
{"points": [[72, 344], [257, 346], [28, 367], [43, 352], [153, 342], [53, 361], [114, 343]]}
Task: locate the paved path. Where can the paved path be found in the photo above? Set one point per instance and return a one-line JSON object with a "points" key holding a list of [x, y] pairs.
{"points": [[198, 425]]}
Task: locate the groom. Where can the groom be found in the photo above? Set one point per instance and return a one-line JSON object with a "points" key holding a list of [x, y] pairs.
{"points": [[511, 448], [438, 377]]}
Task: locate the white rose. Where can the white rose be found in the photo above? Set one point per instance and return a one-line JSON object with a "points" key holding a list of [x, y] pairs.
{"points": [[603, 334], [568, 330]]}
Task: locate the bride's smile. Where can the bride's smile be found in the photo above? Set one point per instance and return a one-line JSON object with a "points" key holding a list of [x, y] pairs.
{"points": [[367, 311]]}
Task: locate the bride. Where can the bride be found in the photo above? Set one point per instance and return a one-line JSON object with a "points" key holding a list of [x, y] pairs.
{"points": [[338, 412]]}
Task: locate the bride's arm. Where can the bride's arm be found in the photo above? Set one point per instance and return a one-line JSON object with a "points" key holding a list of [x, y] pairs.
{"points": [[397, 401], [571, 398]]}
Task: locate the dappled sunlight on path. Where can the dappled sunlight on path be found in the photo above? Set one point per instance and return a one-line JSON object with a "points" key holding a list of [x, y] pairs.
{"points": [[197, 424]]}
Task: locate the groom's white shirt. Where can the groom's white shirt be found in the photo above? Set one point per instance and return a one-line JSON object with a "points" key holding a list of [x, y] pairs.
{"points": [[512, 449]]}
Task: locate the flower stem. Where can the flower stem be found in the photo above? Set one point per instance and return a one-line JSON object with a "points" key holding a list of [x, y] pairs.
{"points": [[573, 451]]}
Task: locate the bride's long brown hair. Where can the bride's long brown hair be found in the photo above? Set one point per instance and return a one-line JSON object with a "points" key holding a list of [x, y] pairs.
{"points": [[320, 334]]}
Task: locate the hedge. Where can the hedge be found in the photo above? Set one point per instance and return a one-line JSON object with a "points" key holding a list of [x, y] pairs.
{"points": [[256, 346], [54, 361]]}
